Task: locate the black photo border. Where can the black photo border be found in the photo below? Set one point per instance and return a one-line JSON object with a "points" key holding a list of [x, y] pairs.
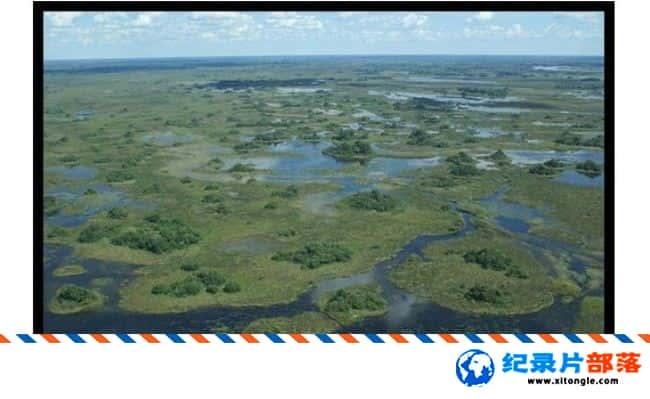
{"points": [[607, 7]]}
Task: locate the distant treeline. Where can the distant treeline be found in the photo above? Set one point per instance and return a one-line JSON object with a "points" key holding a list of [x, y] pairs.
{"points": [[256, 84]]}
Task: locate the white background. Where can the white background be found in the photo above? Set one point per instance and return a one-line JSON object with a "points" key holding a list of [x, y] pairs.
{"points": [[284, 370]]}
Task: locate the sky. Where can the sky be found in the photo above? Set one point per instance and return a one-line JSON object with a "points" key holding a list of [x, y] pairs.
{"points": [[88, 35]]}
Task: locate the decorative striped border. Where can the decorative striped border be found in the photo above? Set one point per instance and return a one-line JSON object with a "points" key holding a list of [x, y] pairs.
{"points": [[325, 338]]}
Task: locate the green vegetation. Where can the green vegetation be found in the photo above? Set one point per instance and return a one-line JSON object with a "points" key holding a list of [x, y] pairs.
{"points": [[419, 137], [215, 163], [315, 254], [117, 176], [460, 158], [372, 200], [242, 168], [289, 192], [499, 157], [212, 199], [460, 276], [189, 286], [51, 206], [307, 323], [70, 159], [210, 281], [541, 169], [189, 267], [493, 259], [160, 235], [589, 168], [290, 216], [351, 304], [94, 232], [554, 163], [117, 213], [547, 168], [576, 140], [69, 270], [70, 298], [463, 169], [359, 151], [481, 293], [461, 164], [591, 316], [231, 287]]}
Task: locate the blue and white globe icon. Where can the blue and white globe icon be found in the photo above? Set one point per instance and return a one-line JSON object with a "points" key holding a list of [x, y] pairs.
{"points": [[474, 368]]}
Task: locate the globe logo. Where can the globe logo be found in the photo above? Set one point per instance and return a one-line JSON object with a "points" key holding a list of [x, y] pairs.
{"points": [[474, 368]]}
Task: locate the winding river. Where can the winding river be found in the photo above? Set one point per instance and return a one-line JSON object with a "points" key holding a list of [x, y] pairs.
{"points": [[406, 312]]}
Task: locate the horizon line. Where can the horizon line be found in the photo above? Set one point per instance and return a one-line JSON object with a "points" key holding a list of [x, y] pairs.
{"points": [[322, 55]]}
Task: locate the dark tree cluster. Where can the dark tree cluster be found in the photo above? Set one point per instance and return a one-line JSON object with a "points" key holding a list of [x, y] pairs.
{"points": [[547, 168], [243, 148], [269, 138], [194, 284], [212, 199], [499, 157], [492, 92], [576, 140], [289, 192], [462, 164], [372, 200], [493, 259], [159, 235], [242, 168], [71, 293], [347, 300], [314, 255], [94, 232], [481, 293], [356, 151], [117, 213]]}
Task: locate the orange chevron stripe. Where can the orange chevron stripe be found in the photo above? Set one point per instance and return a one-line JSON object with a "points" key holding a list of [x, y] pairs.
{"points": [[448, 338], [548, 338], [299, 338], [645, 337], [150, 338], [200, 338], [399, 338], [598, 338], [250, 338], [100, 338], [51, 339], [349, 338], [4, 340], [498, 338]]}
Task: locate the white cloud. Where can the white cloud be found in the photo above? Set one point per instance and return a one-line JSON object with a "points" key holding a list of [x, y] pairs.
{"points": [[567, 32], [412, 20], [110, 17], [513, 31], [219, 15], [590, 17], [293, 20], [481, 16], [145, 18], [224, 26], [351, 14], [485, 15], [63, 18], [426, 34], [209, 36]]}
